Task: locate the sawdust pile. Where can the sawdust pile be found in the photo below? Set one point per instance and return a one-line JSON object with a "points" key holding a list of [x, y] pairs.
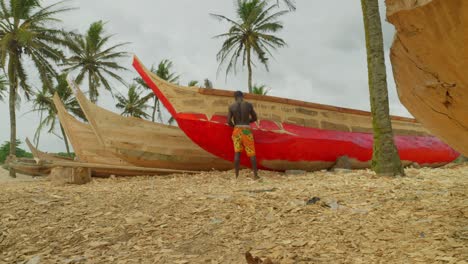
{"points": [[355, 217]]}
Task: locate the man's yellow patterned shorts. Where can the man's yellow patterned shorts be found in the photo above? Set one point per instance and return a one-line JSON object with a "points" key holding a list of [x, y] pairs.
{"points": [[243, 139]]}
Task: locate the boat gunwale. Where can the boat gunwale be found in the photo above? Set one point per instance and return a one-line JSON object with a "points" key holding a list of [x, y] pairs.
{"points": [[264, 98]]}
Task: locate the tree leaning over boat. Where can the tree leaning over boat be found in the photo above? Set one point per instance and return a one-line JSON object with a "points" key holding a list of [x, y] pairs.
{"points": [[251, 35], [26, 32], [94, 57], [385, 159]]}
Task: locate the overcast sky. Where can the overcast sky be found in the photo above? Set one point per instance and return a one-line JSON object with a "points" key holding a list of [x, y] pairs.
{"points": [[324, 62]]}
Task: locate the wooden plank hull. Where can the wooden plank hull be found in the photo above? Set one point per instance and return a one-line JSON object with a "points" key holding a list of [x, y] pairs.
{"points": [[147, 144], [430, 63], [292, 134], [85, 143], [44, 162]]}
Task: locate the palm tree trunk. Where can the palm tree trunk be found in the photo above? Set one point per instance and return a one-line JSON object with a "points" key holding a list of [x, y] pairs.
{"points": [[65, 140], [249, 68], [154, 108], [92, 96], [12, 103], [385, 159], [39, 131]]}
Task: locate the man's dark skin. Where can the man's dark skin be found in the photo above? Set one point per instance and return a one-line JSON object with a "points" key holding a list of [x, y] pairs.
{"points": [[242, 113]]}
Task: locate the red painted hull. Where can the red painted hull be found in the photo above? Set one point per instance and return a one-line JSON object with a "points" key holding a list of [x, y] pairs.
{"points": [[299, 144]]}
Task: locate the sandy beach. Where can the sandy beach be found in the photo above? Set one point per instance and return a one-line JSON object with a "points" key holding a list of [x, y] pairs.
{"points": [[213, 218]]}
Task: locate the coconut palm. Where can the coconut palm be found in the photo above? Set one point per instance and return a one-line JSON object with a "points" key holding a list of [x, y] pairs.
{"points": [[134, 104], [192, 83], [208, 84], [385, 159], [27, 35], [43, 103], [163, 71], [260, 89], [291, 4], [3, 87], [251, 35], [93, 56]]}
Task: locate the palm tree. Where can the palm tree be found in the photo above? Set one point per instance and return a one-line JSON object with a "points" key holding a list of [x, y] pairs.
{"points": [[164, 71], [291, 4], [27, 36], [134, 104], [43, 103], [208, 84], [92, 55], [3, 87], [260, 89], [250, 35], [192, 83], [385, 159]]}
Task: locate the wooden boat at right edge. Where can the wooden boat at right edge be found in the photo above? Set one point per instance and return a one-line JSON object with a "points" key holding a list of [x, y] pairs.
{"points": [[291, 134], [430, 63]]}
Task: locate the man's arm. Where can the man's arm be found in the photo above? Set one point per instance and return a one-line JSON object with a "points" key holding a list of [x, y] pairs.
{"points": [[253, 115], [230, 123]]}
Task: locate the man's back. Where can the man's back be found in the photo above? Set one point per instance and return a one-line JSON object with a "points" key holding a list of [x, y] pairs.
{"points": [[241, 113]]}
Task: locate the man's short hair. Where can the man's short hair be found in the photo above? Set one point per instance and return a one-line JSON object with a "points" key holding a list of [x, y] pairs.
{"points": [[238, 94]]}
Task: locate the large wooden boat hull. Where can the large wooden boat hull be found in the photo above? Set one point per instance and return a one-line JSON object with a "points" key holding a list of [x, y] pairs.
{"points": [[44, 162], [85, 143], [147, 144], [291, 134], [430, 63]]}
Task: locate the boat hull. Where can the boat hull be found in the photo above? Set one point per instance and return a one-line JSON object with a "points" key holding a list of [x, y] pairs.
{"points": [[147, 144], [430, 61], [283, 145]]}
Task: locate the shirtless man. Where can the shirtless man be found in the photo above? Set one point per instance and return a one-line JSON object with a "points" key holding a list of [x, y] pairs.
{"points": [[240, 115]]}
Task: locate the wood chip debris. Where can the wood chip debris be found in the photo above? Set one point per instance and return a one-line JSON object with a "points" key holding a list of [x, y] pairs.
{"points": [[213, 218]]}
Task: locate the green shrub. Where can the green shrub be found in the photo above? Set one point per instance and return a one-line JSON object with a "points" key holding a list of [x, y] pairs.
{"points": [[5, 151]]}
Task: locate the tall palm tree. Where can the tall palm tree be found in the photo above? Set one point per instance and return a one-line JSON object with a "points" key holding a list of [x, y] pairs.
{"points": [[260, 89], [94, 56], [43, 103], [165, 72], [3, 87], [27, 36], [385, 159], [251, 35], [134, 104]]}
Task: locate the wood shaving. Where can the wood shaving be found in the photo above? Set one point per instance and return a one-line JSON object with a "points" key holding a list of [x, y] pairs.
{"points": [[214, 218]]}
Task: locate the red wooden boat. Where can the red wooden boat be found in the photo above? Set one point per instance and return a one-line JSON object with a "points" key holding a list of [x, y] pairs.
{"points": [[291, 134]]}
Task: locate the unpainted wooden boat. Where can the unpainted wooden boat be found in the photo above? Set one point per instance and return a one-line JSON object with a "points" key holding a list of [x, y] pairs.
{"points": [[85, 143], [43, 156], [291, 134], [28, 167], [429, 56], [90, 153], [144, 143]]}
